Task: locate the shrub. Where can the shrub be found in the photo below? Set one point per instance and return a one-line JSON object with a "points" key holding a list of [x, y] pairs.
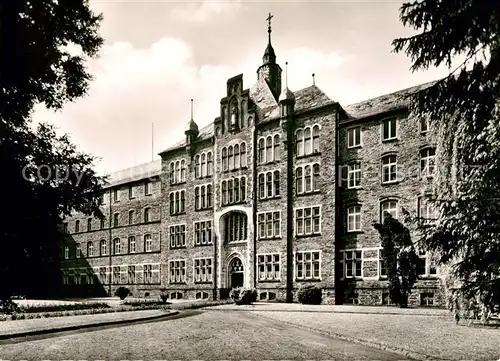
{"points": [[122, 292], [310, 295], [164, 297], [243, 296], [8, 306]]}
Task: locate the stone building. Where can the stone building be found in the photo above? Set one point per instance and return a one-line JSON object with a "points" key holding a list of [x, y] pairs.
{"points": [[279, 191]]}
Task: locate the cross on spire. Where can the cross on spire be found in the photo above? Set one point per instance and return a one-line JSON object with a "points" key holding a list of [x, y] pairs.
{"points": [[269, 17]]}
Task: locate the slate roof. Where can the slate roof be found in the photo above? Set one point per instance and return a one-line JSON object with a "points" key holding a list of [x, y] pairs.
{"points": [[310, 97], [383, 103], [205, 133], [134, 174]]}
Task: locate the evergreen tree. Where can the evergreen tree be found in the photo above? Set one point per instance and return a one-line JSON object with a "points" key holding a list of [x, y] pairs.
{"points": [[464, 111], [399, 257], [44, 177]]}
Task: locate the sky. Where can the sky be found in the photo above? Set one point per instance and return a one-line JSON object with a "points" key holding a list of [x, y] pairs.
{"points": [[158, 55]]}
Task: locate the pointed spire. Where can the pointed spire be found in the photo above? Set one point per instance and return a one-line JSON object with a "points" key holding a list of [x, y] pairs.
{"points": [[286, 74], [191, 109], [192, 126], [286, 95], [314, 82], [269, 55]]}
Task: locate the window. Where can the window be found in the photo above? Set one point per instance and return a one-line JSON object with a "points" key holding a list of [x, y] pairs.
{"points": [[177, 202], [352, 264], [354, 219], [178, 236], [147, 272], [116, 275], [308, 265], [243, 155], [307, 178], [203, 197], [77, 226], [426, 299], [131, 274], [426, 211], [131, 244], [427, 162], [131, 192], [103, 221], [210, 164], [308, 221], [307, 140], [425, 266], [147, 214], [354, 137], [389, 129], [103, 247], [103, 277], [202, 233], [382, 270], [224, 160], [269, 224], [172, 173], [390, 207], [277, 152], [116, 246], [178, 271], [89, 224], [234, 157], [424, 125], [66, 252], [115, 195], [78, 251], [148, 243], [268, 266], [269, 184], [235, 227], [197, 167], [261, 153], [386, 299], [183, 171], [131, 215], [233, 190], [202, 270], [148, 187], [354, 175], [90, 249], [230, 158], [116, 219], [389, 169]]}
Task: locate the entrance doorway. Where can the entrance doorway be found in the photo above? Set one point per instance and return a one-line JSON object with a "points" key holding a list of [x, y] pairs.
{"points": [[236, 275]]}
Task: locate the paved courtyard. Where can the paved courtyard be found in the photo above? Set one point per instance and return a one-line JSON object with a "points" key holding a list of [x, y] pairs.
{"points": [[209, 335]]}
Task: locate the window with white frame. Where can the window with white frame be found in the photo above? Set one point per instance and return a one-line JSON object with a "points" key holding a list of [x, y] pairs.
{"points": [[233, 190], [131, 216], [131, 192], [389, 168], [66, 252], [307, 178], [269, 268], [103, 247], [308, 221], [354, 218], [203, 197], [147, 214], [269, 149], [177, 271], [148, 243], [90, 249], [269, 184], [148, 188], [202, 270], [352, 264], [354, 175], [203, 165], [115, 195], [425, 266], [389, 206], [307, 140], [78, 251], [382, 264], [427, 162], [131, 244], [177, 202], [426, 299], [389, 129], [202, 233], [353, 137], [426, 211], [234, 157], [424, 125], [178, 236], [147, 273], [177, 173], [131, 275], [308, 265], [269, 224], [116, 246]]}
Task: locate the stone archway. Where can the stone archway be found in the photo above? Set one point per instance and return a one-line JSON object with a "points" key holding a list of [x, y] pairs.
{"points": [[236, 273]]}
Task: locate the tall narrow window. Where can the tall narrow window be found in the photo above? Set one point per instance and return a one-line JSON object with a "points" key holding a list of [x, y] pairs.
{"points": [[77, 226], [300, 181], [307, 141], [147, 215], [210, 164], [148, 188], [262, 184], [116, 219], [89, 224], [131, 244], [103, 247], [243, 155], [308, 179], [299, 136], [203, 165], [424, 125], [354, 218], [316, 176], [269, 149], [197, 167], [276, 183], [116, 246], [262, 157], [236, 190], [172, 173], [66, 252], [209, 196], [354, 175], [131, 215], [148, 244], [224, 159], [177, 173], [269, 184], [183, 201], [315, 139], [230, 157], [224, 192], [389, 129], [427, 162], [243, 185], [90, 249], [277, 153], [389, 169], [183, 170], [131, 192], [236, 156], [390, 207], [197, 203], [354, 137]]}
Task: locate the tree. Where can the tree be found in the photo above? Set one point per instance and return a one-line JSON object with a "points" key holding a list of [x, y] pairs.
{"points": [[399, 257], [44, 176], [464, 110]]}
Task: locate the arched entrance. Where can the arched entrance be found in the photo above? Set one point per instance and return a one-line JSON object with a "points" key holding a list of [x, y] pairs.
{"points": [[236, 274]]}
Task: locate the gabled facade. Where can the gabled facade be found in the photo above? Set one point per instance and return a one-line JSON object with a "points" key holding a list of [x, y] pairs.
{"points": [[279, 191]]}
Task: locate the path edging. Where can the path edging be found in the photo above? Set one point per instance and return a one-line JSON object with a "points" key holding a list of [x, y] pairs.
{"points": [[83, 326]]}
